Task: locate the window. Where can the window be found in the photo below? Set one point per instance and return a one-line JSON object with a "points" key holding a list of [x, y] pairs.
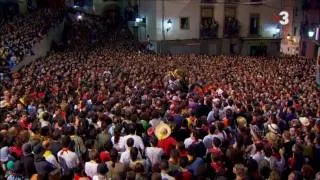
{"points": [[184, 23], [254, 24], [208, 25], [231, 24], [230, 12], [208, 1]]}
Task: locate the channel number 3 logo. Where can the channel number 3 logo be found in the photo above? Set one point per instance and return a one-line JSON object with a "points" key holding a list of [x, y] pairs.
{"points": [[284, 17]]}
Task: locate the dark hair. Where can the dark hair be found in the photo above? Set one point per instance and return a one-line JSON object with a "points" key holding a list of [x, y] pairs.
{"points": [[93, 154], [184, 162], [65, 141], [113, 157], [131, 128], [102, 168], [267, 151], [175, 154], [220, 126], [216, 142], [134, 153], [212, 129], [56, 135], [117, 133], [154, 141], [130, 142], [44, 131], [164, 165], [196, 134]]}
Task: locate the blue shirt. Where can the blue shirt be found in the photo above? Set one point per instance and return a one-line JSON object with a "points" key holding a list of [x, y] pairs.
{"points": [[194, 166]]}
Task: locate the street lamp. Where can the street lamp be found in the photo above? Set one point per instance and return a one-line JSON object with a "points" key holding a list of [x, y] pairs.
{"points": [[311, 34], [169, 25], [139, 20]]}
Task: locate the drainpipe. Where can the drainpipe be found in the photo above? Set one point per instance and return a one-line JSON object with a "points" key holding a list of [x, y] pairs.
{"points": [[163, 31]]}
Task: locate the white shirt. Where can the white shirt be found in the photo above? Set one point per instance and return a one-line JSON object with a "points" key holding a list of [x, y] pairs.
{"points": [[208, 140], [166, 176], [125, 157], [52, 160], [154, 154], [90, 168], [99, 177], [187, 142], [70, 157], [117, 145], [138, 143]]}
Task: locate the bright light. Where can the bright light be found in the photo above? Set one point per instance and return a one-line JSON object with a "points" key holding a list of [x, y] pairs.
{"points": [[138, 20], [294, 39], [79, 17], [277, 30], [288, 37], [75, 6], [169, 23], [311, 34]]}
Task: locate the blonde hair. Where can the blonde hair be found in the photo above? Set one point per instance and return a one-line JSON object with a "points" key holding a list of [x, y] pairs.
{"points": [[274, 175], [240, 170]]}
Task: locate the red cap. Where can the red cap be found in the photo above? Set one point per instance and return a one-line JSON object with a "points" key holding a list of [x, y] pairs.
{"points": [[105, 156]]}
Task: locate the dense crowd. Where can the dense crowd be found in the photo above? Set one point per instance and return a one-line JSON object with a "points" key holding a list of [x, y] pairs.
{"points": [[108, 111], [19, 34]]}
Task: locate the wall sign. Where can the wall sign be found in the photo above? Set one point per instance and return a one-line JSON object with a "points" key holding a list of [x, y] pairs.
{"points": [[284, 18]]}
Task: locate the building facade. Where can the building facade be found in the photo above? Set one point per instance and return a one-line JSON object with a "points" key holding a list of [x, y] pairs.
{"points": [[242, 27], [290, 43], [310, 29]]}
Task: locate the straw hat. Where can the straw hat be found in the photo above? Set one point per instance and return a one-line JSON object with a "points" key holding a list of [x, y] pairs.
{"points": [[241, 121], [304, 121], [273, 128], [162, 131]]}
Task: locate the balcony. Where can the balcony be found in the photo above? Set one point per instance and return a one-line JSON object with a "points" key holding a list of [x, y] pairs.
{"points": [[231, 27], [209, 29]]}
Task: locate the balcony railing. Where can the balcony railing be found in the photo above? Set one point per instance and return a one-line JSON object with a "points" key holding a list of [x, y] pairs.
{"points": [[208, 1], [231, 1], [209, 30]]}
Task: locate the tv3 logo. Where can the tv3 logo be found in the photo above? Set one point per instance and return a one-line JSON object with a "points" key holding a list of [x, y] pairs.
{"points": [[284, 18]]}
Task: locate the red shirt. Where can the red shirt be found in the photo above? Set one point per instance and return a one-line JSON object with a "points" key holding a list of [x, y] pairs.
{"points": [[167, 144], [184, 175]]}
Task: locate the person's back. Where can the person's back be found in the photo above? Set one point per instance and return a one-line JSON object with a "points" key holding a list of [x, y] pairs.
{"points": [[154, 153], [28, 160], [115, 169]]}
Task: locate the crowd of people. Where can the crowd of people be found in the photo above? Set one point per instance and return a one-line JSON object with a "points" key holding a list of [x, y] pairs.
{"points": [[19, 34], [108, 111]]}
